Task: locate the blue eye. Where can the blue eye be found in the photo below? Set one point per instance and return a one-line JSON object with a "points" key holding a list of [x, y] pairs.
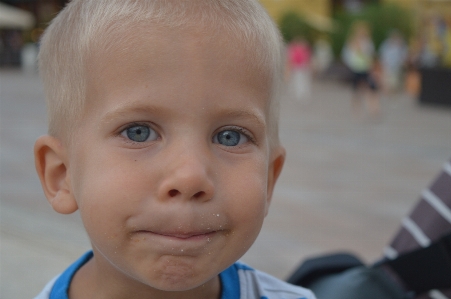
{"points": [[140, 133], [230, 138]]}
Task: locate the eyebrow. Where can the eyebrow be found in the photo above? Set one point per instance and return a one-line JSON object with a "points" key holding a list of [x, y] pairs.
{"points": [[244, 114], [131, 108]]}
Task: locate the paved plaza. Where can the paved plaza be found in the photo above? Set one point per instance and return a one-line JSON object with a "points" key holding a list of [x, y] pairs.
{"points": [[346, 184]]}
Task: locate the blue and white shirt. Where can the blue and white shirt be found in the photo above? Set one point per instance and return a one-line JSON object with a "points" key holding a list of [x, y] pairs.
{"points": [[239, 281]]}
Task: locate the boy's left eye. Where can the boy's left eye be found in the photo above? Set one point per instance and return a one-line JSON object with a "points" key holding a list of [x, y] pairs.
{"points": [[230, 138], [140, 133]]}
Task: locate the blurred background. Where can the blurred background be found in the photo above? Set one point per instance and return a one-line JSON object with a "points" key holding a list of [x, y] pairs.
{"points": [[358, 156]]}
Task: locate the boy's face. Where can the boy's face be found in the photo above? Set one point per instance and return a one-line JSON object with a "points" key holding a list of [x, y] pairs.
{"points": [[170, 166]]}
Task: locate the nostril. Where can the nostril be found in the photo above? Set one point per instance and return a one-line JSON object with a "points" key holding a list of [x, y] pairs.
{"points": [[199, 194], [173, 192]]}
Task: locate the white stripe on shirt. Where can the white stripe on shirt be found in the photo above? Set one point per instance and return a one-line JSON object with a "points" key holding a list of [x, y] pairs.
{"points": [[436, 294], [390, 252], [437, 204], [416, 232]]}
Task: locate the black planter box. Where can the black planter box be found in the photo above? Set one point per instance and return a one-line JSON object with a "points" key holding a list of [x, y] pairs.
{"points": [[436, 86]]}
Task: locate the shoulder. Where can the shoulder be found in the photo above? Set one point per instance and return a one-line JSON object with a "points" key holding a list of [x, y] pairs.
{"points": [[257, 284]]}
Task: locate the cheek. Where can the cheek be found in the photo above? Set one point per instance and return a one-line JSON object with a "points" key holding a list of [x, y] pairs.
{"points": [[247, 204], [100, 171], [108, 190]]}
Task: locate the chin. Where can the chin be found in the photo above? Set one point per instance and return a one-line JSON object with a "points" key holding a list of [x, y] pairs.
{"points": [[179, 278]]}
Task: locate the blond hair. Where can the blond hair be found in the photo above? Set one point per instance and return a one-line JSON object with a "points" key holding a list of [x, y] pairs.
{"points": [[84, 25]]}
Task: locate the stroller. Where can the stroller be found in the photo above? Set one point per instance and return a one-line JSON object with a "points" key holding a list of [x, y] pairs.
{"points": [[417, 264]]}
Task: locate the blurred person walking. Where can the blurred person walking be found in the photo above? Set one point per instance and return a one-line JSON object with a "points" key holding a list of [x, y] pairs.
{"points": [[358, 55], [322, 56], [412, 82], [393, 56], [298, 54]]}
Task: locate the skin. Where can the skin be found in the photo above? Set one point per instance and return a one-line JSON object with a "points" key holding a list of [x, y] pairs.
{"points": [[167, 215]]}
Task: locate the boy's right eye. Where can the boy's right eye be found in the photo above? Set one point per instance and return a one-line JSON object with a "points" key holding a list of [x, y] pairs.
{"points": [[140, 133]]}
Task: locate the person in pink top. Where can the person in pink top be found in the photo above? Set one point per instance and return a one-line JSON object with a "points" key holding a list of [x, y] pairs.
{"points": [[298, 54]]}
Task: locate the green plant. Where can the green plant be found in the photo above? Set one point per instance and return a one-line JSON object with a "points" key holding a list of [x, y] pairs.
{"points": [[381, 19], [293, 25], [384, 18]]}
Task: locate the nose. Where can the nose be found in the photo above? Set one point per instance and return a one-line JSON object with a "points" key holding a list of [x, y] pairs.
{"points": [[187, 177]]}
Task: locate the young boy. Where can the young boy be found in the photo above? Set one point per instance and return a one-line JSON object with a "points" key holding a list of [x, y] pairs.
{"points": [[163, 134]]}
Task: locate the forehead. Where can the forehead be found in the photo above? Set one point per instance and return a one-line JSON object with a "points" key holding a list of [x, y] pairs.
{"points": [[164, 53], [163, 66], [202, 39]]}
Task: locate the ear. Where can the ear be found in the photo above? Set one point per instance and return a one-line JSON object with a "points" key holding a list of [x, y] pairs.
{"points": [[51, 165], [276, 162]]}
